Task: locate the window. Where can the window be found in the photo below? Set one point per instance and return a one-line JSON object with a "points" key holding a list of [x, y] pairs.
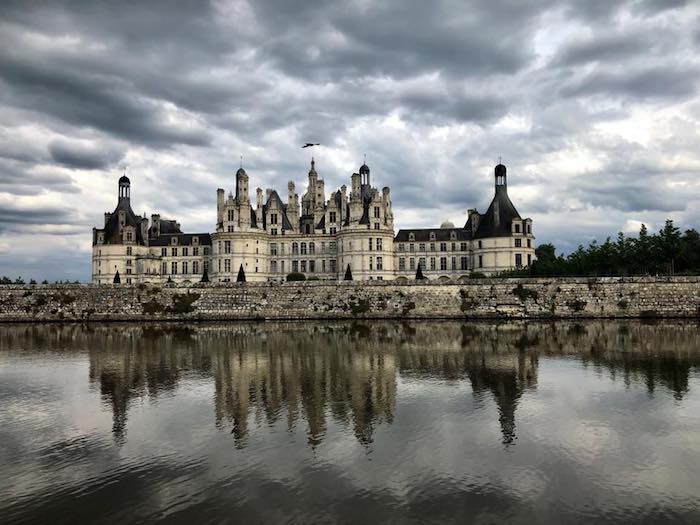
{"points": [[323, 266], [273, 218], [227, 246], [518, 242], [453, 236], [195, 240], [332, 261], [128, 281], [421, 247], [295, 266], [230, 228], [370, 263], [379, 263], [529, 229], [379, 245], [529, 259], [480, 245], [303, 248], [432, 236], [163, 252], [332, 246], [273, 266], [195, 267], [481, 261], [173, 252], [227, 265], [295, 249], [376, 212], [128, 271], [307, 229], [312, 266], [312, 248], [173, 267], [529, 243], [128, 262], [128, 250], [129, 236], [463, 246], [463, 263], [303, 266], [230, 215], [205, 266], [184, 267], [411, 247], [273, 231], [184, 251], [332, 216], [411, 237], [323, 247], [173, 240], [517, 228], [518, 260], [376, 225], [443, 263], [412, 264], [370, 244], [432, 263], [432, 246], [206, 251], [281, 266], [195, 251], [273, 248], [454, 263], [443, 246], [402, 264], [164, 268], [333, 230], [454, 246], [401, 247], [421, 261]]}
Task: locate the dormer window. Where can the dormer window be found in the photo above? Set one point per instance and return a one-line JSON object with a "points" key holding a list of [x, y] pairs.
{"points": [[411, 237], [195, 240], [517, 228], [453, 235], [432, 236], [173, 241]]}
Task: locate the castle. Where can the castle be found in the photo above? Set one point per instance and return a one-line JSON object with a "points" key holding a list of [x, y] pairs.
{"points": [[351, 234]]}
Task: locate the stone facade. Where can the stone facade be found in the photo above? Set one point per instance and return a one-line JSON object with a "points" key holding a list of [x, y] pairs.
{"points": [[321, 238], [479, 298]]}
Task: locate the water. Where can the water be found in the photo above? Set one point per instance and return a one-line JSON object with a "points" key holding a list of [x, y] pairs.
{"points": [[352, 423]]}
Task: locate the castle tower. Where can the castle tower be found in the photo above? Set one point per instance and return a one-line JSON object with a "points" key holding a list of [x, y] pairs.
{"points": [[124, 188]]}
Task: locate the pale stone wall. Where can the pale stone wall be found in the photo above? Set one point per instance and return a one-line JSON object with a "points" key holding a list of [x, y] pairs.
{"points": [[487, 298]]}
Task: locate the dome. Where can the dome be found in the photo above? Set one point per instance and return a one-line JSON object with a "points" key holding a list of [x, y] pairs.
{"points": [[446, 225], [241, 171], [124, 180], [364, 169], [500, 169]]}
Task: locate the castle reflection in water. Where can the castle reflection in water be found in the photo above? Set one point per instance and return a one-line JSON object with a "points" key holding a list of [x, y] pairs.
{"points": [[312, 373]]}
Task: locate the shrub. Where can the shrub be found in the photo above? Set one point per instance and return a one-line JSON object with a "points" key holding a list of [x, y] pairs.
{"points": [[296, 276]]}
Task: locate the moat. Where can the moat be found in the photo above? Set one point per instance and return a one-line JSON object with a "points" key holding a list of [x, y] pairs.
{"points": [[353, 422]]}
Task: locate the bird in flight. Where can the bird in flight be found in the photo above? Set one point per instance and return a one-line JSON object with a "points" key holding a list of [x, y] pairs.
{"points": [[309, 144]]}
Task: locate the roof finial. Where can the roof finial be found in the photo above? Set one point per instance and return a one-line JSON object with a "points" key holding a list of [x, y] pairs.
{"points": [[500, 161], [365, 159], [241, 161]]}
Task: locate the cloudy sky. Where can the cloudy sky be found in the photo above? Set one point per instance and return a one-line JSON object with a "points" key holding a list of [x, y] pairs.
{"points": [[593, 106]]}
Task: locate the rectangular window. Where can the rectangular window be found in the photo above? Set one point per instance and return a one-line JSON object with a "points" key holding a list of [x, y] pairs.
{"points": [[379, 263], [402, 264], [443, 246], [227, 265], [163, 252], [184, 267], [195, 267], [323, 247], [273, 231], [517, 228], [421, 247], [432, 263], [379, 245], [518, 260], [370, 263], [529, 259], [411, 247], [529, 243], [462, 263], [129, 235], [273, 248], [273, 266], [128, 271], [303, 266], [205, 266], [229, 228], [454, 263], [463, 246], [332, 246], [173, 268], [376, 212], [227, 246], [206, 251], [173, 252], [333, 265], [518, 242], [195, 251], [411, 264], [295, 266], [481, 261], [443, 263], [332, 216], [370, 244], [454, 246], [312, 248], [432, 246], [230, 215], [421, 261], [323, 266], [281, 266], [333, 230], [164, 269], [401, 246], [312, 266], [128, 250], [128, 262], [376, 225], [273, 218]]}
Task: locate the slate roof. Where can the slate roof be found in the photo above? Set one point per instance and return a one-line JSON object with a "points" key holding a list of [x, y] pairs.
{"points": [[506, 213], [112, 230], [441, 235], [183, 239]]}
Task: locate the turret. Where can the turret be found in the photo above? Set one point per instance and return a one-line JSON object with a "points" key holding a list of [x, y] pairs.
{"points": [[155, 224], [500, 176], [124, 188], [242, 195], [220, 196], [259, 207], [364, 174]]}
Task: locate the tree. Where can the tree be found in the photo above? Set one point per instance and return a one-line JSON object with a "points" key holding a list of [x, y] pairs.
{"points": [[117, 279], [241, 275], [348, 273], [419, 273], [205, 276]]}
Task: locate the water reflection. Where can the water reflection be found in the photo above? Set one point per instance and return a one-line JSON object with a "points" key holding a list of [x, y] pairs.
{"points": [[347, 373]]}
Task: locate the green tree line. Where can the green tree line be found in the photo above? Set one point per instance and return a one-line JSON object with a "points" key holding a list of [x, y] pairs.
{"points": [[667, 252]]}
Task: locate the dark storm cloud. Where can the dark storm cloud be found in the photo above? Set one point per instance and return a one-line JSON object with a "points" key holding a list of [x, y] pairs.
{"points": [[81, 156], [606, 47], [23, 218]]}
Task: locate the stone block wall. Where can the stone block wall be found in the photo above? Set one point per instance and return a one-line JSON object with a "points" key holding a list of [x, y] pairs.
{"points": [[614, 297]]}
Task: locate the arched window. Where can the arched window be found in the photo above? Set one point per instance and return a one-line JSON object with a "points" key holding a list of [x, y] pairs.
{"points": [[303, 248], [295, 248]]}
